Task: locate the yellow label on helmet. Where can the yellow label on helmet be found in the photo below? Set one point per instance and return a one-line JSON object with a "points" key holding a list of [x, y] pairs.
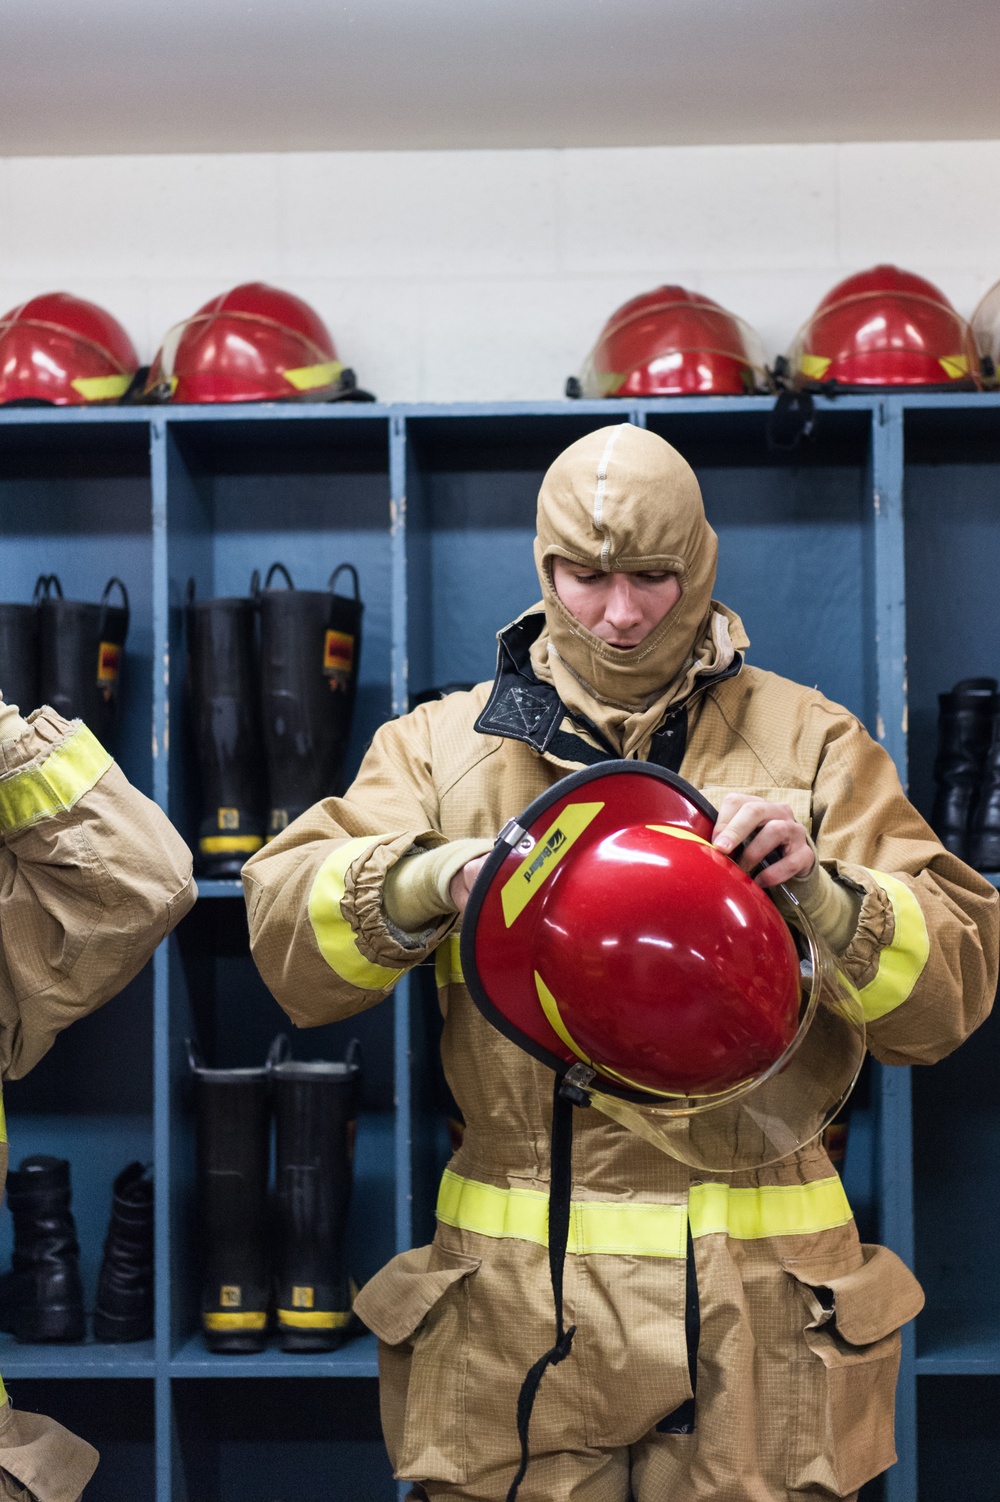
{"points": [[538, 865], [311, 377], [955, 367], [101, 388], [814, 367]]}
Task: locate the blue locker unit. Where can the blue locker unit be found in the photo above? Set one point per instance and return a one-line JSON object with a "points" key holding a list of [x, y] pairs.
{"points": [[435, 507]]}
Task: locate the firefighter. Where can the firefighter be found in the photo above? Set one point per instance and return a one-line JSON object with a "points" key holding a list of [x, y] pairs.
{"points": [[93, 876], [762, 1364]]}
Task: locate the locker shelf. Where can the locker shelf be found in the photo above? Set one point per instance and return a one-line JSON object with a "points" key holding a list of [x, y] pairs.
{"points": [[358, 1358]]}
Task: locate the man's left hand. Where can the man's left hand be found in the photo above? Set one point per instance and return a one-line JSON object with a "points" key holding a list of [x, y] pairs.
{"points": [[766, 827]]}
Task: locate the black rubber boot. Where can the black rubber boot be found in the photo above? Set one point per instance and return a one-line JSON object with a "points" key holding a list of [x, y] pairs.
{"points": [[81, 647], [41, 1298], [124, 1309], [19, 652], [965, 724], [310, 642], [233, 1140], [222, 687], [314, 1108], [984, 837]]}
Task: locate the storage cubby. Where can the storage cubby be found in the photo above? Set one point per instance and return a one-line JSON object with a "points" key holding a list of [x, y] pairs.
{"points": [[862, 561], [316, 1440]]}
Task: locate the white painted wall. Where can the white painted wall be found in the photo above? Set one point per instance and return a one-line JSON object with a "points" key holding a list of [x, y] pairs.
{"points": [[487, 275]]}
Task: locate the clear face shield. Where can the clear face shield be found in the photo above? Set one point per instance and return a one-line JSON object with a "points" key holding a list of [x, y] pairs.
{"points": [[766, 1118]]}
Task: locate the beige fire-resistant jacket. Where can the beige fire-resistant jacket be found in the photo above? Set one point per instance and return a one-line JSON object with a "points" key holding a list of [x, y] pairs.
{"points": [[92, 877], [789, 1400]]}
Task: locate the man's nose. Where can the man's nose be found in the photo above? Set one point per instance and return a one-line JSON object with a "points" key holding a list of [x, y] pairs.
{"points": [[622, 609]]}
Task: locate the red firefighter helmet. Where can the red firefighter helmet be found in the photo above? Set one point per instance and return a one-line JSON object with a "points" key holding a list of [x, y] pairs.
{"points": [[608, 938], [885, 327], [253, 344], [671, 342], [62, 349]]}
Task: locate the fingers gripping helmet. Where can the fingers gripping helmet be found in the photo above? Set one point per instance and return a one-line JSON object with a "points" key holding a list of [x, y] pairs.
{"points": [[253, 344], [609, 939], [671, 342], [64, 350], [884, 327]]}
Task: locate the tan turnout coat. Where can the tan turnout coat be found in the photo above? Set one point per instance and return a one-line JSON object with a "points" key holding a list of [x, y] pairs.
{"points": [[92, 876], [799, 1343]]}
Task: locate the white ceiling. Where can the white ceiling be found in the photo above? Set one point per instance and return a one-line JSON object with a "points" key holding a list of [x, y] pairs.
{"points": [[133, 76]]}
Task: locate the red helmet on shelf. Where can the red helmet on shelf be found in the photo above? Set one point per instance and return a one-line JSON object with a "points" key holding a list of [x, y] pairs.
{"points": [[609, 939], [885, 327], [62, 349], [671, 342], [253, 344]]}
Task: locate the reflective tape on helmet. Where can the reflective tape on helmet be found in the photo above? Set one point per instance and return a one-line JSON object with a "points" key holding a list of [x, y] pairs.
{"points": [[814, 367], [312, 377], [55, 785], [955, 367], [900, 963], [543, 858], [334, 935], [641, 1229], [101, 388]]}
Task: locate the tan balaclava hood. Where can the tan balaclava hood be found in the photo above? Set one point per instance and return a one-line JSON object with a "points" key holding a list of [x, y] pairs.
{"points": [[622, 500]]}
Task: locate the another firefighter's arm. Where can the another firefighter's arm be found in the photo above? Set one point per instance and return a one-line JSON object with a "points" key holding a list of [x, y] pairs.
{"points": [[319, 932], [925, 953], [92, 876]]}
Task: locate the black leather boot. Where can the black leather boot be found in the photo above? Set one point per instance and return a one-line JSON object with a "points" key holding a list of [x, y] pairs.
{"points": [[222, 690], [41, 1298], [310, 641], [984, 837], [233, 1140], [964, 727], [81, 647], [124, 1309], [314, 1108]]}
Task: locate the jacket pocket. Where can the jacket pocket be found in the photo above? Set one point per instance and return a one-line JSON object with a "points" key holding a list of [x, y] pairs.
{"points": [[843, 1397], [418, 1306]]}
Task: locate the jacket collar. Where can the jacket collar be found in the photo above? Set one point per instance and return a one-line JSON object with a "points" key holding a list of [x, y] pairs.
{"points": [[522, 708]]}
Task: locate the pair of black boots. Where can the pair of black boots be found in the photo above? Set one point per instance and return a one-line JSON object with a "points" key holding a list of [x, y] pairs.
{"points": [[41, 1298], [66, 653], [276, 672], [287, 1257], [966, 813]]}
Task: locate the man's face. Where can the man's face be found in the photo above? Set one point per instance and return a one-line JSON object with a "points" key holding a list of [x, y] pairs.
{"points": [[620, 609]]}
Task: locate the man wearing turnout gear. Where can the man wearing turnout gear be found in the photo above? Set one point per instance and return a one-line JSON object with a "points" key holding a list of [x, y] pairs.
{"points": [[750, 1287], [92, 877]]}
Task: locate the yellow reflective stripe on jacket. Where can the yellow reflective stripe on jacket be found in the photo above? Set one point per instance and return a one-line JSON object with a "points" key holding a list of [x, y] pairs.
{"points": [[3, 1122], [334, 935], [448, 962], [770, 1210], [54, 785], [641, 1229], [901, 962]]}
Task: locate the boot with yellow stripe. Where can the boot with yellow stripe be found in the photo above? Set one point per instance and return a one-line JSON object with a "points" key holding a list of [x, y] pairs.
{"points": [[233, 1125], [314, 1109]]}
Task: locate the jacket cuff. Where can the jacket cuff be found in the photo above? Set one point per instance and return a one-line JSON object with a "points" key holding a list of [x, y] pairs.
{"points": [[876, 923], [378, 939]]}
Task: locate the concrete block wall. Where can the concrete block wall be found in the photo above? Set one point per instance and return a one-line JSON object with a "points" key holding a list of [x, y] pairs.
{"points": [[486, 275]]}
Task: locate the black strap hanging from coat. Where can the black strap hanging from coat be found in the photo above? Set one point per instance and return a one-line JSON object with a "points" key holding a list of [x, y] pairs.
{"points": [[560, 1194]]}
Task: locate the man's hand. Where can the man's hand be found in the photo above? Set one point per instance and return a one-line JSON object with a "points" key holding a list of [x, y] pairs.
{"points": [[766, 827], [462, 882]]}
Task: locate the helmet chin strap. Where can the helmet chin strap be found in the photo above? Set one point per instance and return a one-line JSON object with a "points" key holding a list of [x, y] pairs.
{"points": [[560, 1196]]}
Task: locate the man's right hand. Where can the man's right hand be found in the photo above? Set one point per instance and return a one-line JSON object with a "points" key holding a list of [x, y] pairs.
{"points": [[462, 882]]}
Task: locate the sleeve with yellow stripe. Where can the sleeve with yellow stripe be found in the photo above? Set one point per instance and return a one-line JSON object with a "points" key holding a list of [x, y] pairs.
{"points": [[924, 956], [93, 876], [318, 930]]}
